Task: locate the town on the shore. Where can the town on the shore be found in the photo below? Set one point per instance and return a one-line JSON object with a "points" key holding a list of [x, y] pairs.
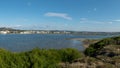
{"points": [[5, 30]]}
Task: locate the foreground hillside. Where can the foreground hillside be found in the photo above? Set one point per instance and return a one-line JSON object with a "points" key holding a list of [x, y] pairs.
{"points": [[104, 53], [107, 51], [107, 45]]}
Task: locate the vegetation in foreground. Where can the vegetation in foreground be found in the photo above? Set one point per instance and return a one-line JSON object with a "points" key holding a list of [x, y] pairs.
{"points": [[37, 58], [95, 49], [102, 54], [106, 51]]}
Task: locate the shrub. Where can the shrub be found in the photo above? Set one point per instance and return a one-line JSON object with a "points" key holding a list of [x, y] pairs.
{"points": [[37, 58]]}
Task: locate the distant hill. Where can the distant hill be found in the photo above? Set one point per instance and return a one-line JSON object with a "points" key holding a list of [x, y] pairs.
{"points": [[4, 29]]}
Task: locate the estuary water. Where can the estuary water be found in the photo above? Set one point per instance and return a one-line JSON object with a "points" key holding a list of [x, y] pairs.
{"points": [[26, 42]]}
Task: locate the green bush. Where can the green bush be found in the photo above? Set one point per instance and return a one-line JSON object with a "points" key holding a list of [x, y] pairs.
{"points": [[37, 58], [68, 55]]}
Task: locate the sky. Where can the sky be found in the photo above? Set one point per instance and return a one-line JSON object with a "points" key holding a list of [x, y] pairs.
{"points": [[75, 15]]}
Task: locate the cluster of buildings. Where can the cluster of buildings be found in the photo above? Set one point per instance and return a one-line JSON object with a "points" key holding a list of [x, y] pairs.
{"points": [[33, 32], [4, 32]]}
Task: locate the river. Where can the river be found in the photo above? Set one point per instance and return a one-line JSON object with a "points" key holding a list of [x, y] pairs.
{"points": [[26, 42]]}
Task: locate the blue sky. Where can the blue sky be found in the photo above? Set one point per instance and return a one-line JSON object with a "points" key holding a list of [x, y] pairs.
{"points": [[77, 15]]}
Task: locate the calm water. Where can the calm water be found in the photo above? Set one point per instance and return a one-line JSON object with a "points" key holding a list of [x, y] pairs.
{"points": [[18, 42]]}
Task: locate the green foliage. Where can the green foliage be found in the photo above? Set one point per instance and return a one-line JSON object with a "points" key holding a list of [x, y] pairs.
{"points": [[93, 49], [37, 58], [90, 51], [68, 55]]}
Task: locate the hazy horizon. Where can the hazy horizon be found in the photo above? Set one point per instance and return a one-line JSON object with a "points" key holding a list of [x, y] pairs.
{"points": [[79, 15]]}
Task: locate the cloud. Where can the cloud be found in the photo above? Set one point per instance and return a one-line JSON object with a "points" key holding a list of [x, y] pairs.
{"points": [[95, 9], [11, 26], [110, 22], [18, 25], [22, 20], [29, 4], [92, 10], [60, 15], [88, 11], [118, 20], [88, 21], [83, 19]]}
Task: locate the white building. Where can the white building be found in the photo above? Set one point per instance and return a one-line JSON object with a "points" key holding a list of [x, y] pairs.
{"points": [[4, 32]]}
